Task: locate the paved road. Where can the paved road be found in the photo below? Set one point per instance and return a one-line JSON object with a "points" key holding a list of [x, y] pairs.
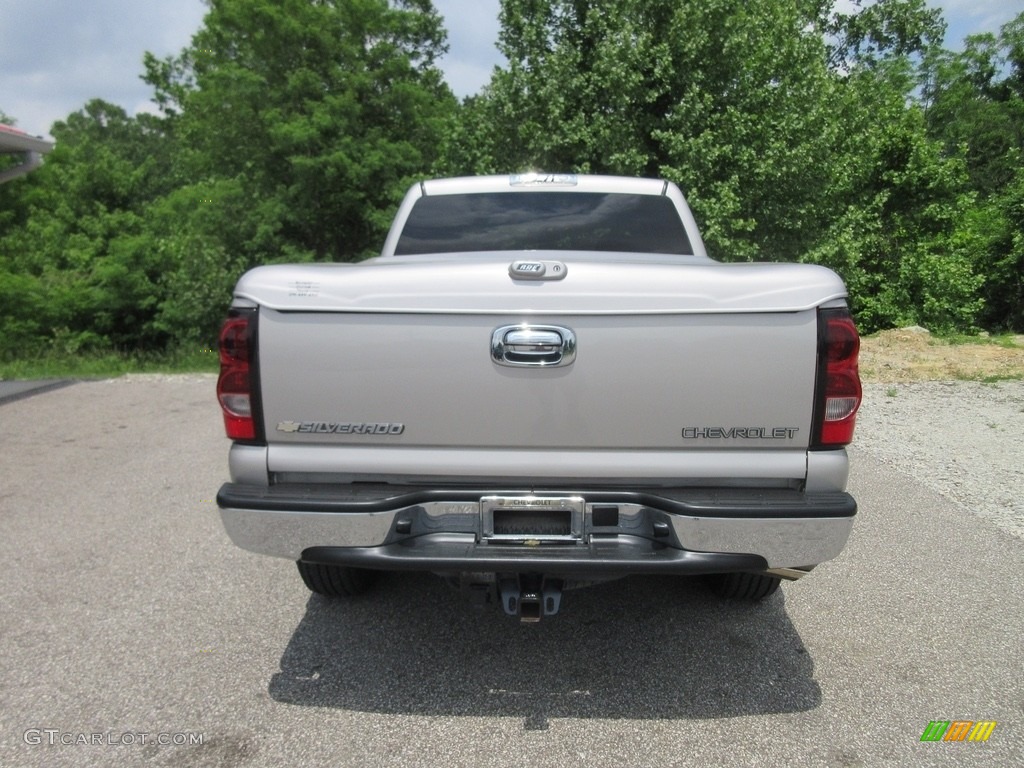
{"points": [[127, 616]]}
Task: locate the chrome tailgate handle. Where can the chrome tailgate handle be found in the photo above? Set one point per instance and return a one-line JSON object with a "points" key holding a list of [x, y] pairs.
{"points": [[533, 345]]}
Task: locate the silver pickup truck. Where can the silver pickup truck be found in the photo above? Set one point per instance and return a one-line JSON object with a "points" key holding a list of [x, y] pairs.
{"points": [[542, 382]]}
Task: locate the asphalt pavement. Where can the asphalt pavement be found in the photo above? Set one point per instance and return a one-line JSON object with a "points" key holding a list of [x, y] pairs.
{"points": [[133, 632], [19, 389]]}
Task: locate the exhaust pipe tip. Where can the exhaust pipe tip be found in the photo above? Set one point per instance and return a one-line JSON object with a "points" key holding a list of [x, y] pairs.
{"points": [[789, 574]]}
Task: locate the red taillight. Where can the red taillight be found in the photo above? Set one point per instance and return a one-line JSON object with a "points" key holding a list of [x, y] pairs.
{"points": [[234, 341], [234, 387], [839, 392]]}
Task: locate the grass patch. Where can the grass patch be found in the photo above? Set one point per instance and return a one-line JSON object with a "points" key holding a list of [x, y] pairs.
{"points": [[108, 364], [960, 374], [1004, 340], [996, 378]]}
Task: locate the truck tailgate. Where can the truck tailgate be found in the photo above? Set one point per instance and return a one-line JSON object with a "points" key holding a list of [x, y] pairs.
{"points": [[649, 383]]}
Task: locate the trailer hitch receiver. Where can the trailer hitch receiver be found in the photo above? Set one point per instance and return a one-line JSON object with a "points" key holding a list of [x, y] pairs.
{"points": [[530, 597]]}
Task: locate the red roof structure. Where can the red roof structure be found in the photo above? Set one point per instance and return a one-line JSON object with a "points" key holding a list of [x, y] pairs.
{"points": [[30, 148]]}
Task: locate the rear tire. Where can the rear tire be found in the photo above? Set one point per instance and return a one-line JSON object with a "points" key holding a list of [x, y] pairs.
{"points": [[744, 586], [335, 580]]}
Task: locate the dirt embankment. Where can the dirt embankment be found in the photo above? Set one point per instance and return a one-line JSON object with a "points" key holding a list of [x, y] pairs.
{"points": [[913, 354]]}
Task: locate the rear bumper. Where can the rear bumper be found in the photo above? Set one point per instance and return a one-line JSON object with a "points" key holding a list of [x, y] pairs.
{"points": [[615, 532]]}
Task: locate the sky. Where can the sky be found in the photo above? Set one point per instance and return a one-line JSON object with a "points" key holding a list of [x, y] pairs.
{"points": [[56, 55]]}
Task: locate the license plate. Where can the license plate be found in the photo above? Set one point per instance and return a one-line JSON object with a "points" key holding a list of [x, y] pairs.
{"points": [[532, 519]]}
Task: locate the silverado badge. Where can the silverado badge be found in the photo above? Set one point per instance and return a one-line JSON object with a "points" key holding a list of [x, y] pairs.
{"points": [[340, 428]]}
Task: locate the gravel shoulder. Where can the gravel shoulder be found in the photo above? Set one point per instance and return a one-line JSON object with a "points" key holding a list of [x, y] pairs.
{"points": [[950, 415], [964, 439], [904, 355]]}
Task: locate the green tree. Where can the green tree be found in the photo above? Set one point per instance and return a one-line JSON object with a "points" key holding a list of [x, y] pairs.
{"points": [[994, 231], [80, 251], [289, 130], [319, 113], [975, 112], [866, 33], [974, 104], [896, 236]]}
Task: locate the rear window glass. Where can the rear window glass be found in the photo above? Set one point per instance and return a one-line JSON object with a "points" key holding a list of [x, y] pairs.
{"points": [[518, 221]]}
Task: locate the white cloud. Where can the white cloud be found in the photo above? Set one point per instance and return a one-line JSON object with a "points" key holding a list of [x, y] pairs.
{"points": [[970, 17], [472, 34], [56, 55]]}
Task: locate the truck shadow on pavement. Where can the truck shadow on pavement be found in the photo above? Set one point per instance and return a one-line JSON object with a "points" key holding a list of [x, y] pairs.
{"points": [[638, 648]]}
